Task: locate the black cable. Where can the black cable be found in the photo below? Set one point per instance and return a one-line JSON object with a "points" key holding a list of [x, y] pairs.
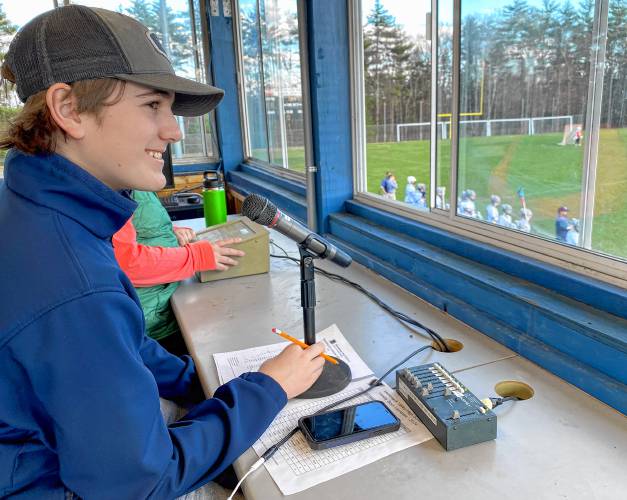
{"points": [[374, 383], [499, 401], [397, 314], [274, 448]]}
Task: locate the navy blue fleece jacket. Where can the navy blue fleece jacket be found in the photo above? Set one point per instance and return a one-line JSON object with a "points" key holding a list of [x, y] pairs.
{"points": [[79, 380]]}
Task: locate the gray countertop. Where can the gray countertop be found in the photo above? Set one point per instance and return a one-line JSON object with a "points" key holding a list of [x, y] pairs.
{"points": [[562, 443]]}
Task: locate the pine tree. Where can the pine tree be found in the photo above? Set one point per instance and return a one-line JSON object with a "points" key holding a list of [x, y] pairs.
{"points": [[379, 36]]}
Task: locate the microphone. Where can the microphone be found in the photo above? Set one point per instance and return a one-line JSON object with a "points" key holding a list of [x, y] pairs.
{"points": [[262, 211]]}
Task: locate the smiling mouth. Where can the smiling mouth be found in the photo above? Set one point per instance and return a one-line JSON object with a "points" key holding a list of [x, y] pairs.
{"points": [[157, 155]]}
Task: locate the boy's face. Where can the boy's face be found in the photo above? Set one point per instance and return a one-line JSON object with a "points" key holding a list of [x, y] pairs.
{"points": [[124, 149]]}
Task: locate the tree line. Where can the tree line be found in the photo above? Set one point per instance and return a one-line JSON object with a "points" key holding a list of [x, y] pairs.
{"points": [[519, 61]]}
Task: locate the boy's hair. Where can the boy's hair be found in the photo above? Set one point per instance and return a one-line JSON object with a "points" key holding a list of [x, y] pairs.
{"points": [[34, 131]]}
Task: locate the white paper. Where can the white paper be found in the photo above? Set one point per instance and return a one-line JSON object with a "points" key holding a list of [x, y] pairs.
{"points": [[296, 467], [231, 365]]}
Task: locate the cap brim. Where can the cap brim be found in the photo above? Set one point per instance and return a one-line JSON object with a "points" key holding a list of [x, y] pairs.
{"points": [[190, 98]]}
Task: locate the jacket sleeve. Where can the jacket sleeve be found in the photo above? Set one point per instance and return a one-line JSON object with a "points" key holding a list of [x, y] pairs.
{"points": [[147, 265], [176, 376], [98, 404]]}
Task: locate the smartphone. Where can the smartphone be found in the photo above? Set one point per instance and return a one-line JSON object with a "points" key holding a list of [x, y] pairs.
{"points": [[347, 425]]}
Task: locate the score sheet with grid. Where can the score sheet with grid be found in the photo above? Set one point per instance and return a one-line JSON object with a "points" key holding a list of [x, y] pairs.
{"points": [[296, 467]]}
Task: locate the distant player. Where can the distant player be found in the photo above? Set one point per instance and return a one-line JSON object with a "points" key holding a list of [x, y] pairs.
{"points": [[524, 223], [492, 211], [505, 219], [562, 224]]}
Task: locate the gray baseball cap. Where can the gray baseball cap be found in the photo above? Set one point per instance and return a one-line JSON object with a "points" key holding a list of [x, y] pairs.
{"points": [[75, 43]]}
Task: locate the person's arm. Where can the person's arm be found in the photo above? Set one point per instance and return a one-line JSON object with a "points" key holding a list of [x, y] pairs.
{"points": [[99, 406], [147, 265], [176, 376]]}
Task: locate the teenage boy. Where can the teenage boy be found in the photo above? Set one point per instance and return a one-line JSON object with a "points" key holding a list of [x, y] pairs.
{"points": [[79, 380]]}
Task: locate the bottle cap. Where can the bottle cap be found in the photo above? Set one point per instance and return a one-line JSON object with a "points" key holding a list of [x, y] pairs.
{"points": [[215, 183]]}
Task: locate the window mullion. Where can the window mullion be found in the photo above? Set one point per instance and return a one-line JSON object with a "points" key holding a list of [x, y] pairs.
{"points": [[455, 106], [434, 104], [241, 83], [593, 119], [310, 167], [358, 92], [262, 78]]}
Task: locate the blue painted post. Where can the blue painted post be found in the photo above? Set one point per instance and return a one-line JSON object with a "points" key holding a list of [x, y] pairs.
{"points": [[330, 105], [224, 69]]}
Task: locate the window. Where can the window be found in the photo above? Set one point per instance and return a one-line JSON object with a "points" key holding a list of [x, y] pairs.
{"points": [[271, 82], [396, 100], [529, 117], [176, 22], [523, 91], [605, 214]]}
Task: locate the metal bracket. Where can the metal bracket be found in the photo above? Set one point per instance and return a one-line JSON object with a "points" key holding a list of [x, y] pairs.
{"points": [[215, 7], [226, 8]]}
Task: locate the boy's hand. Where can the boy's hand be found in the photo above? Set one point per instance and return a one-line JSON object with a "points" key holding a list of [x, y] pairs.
{"points": [[184, 235], [221, 252], [295, 369]]}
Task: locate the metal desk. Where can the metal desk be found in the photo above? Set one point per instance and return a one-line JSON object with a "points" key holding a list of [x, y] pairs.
{"points": [[560, 444]]}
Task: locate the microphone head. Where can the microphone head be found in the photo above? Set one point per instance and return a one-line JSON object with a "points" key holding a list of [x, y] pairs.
{"points": [[259, 209]]}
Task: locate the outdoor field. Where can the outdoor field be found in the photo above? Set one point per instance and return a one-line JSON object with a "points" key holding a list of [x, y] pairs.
{"points": [[550, 175]]}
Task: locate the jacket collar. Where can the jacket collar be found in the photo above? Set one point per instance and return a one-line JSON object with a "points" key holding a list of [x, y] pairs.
{"points": [[54, 182]]}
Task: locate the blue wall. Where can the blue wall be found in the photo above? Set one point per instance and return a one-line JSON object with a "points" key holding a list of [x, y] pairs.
{"points": [[330, 102]]}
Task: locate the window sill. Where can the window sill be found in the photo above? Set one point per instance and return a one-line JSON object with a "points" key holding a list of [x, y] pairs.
{"points": [[289, 195]]}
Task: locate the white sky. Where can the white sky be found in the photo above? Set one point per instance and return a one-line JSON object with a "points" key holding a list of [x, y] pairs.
{"points": [[411, 14], [21, 11]]}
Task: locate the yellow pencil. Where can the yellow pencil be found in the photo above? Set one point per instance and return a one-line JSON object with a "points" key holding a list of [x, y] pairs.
{"points": [[281, 333]]}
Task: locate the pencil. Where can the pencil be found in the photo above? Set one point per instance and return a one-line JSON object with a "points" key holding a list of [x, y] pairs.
{"points": [[281, 333]]}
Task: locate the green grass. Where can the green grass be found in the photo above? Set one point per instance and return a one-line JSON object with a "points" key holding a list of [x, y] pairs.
{"points": [[550, 174], [295, 158]]}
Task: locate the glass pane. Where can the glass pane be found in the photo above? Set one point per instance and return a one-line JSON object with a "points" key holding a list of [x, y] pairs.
{"points": [[272, 81], [444, 103], [253, 80], [180, 35], [397, 74], [610, 210], [523, 95], [13, 15]]}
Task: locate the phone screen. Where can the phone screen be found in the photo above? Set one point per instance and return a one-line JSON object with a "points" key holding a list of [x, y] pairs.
{"points": [[347, 421]]}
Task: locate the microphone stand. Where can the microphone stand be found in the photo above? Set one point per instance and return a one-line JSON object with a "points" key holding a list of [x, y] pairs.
{"points": [[334, 377]]}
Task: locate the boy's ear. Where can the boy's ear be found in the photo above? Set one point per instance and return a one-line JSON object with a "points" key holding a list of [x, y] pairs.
{"points": [[62, 106]]}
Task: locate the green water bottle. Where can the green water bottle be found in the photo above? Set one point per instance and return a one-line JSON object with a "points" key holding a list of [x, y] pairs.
{"points": [[214, 201]]}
